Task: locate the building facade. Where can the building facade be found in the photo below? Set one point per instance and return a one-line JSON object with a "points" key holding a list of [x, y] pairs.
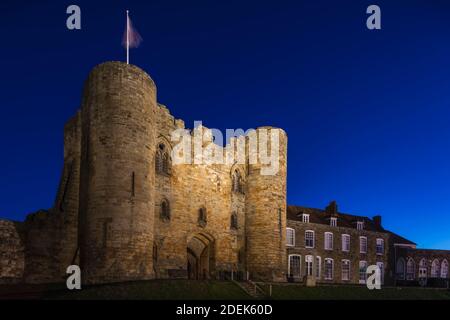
{"points": [[124, 211], [332, 247]]}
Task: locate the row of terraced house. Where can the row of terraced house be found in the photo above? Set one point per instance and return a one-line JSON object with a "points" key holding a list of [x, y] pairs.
{"points": [[329, 247]]}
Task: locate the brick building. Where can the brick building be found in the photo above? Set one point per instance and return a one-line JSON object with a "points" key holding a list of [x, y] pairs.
{"points": [[333, 247]]}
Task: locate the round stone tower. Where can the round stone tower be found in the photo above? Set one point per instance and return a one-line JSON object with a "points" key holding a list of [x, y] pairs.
{"points": [[266, 204], [117, 175]]}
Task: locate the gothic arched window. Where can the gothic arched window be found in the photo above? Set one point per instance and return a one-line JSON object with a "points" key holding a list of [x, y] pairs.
{"points": [[410, 269], [435, 266], [165, 210], [162, 161]]}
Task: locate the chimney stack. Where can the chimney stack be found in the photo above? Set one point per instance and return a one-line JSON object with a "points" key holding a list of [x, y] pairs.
{"points": [[377, 221], [332, 208]]}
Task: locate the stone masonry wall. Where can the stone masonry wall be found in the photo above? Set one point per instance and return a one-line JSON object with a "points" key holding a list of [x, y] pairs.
{"points": [[11, 251]]}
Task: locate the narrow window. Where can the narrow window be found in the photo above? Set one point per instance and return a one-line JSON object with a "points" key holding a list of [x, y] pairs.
{"points": [[318, 267], [309, 239], [290, 237], [202, 219], [236, 181], [329, 269], [360, 225], [294, 267], [345, 242], [305, 218], [328, 241], [380, 246], [345, 270], [309, 265], [158, 162], [362, 272], [410, 270], [234, 221], [166, 163], [165, 210], [333, 222], [363, 244], [133, 184]]}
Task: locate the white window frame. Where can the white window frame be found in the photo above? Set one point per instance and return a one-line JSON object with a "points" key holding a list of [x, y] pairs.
{"points": [[364, 273], [313, 239], [325, 240], [360, 225], [318, 268], [344, 243], [305, 218], [300, 265], [380, 243], [361, 247], [325, 269], [333, 222], [309, 265], [347, 263], [288, 243]]}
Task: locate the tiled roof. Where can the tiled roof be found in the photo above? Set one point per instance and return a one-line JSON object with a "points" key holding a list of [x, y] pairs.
{"points": [[323, 217]]}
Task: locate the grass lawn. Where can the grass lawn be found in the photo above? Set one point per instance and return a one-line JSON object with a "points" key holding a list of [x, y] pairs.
{"points": [[157, 290], [213, 290], [297, 292]]}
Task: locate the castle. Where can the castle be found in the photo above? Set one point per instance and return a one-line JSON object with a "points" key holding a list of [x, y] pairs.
{"points": [[124, 211]]}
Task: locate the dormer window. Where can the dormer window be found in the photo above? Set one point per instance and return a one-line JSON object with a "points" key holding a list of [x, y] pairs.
{"points": [[305, 218], [333, 222], [360, 225]]}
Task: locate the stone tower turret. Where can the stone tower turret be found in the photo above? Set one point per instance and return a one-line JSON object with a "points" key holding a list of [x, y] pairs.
{"points": [[116, 218], [266, 208]]}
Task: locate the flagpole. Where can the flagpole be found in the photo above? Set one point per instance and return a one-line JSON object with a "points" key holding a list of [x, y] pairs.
{"points": [[128, 38]]}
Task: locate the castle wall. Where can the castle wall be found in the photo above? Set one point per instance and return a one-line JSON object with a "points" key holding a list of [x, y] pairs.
{"points": [[107, 213], [188, 188], [12, 255], [117, 174], [51, 236]]}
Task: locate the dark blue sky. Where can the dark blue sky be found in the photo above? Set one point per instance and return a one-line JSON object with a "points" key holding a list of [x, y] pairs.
{"points": [[367, 112]]}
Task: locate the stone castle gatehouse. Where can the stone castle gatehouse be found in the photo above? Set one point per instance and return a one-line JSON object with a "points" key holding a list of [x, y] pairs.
{"points": [[124, 211]]}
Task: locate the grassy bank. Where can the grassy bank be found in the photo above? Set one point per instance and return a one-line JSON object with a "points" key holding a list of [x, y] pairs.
{"points": [[297, 292], [157, 290], [214, 290]]}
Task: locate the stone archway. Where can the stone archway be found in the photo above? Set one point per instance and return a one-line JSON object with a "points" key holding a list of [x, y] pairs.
{"points": [[201, 257]]}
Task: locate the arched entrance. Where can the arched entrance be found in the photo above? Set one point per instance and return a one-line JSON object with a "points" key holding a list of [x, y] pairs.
{"points": [[200, 257]]}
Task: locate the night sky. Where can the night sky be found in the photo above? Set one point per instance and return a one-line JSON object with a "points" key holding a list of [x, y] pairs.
{"points": [[367, 112]]}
